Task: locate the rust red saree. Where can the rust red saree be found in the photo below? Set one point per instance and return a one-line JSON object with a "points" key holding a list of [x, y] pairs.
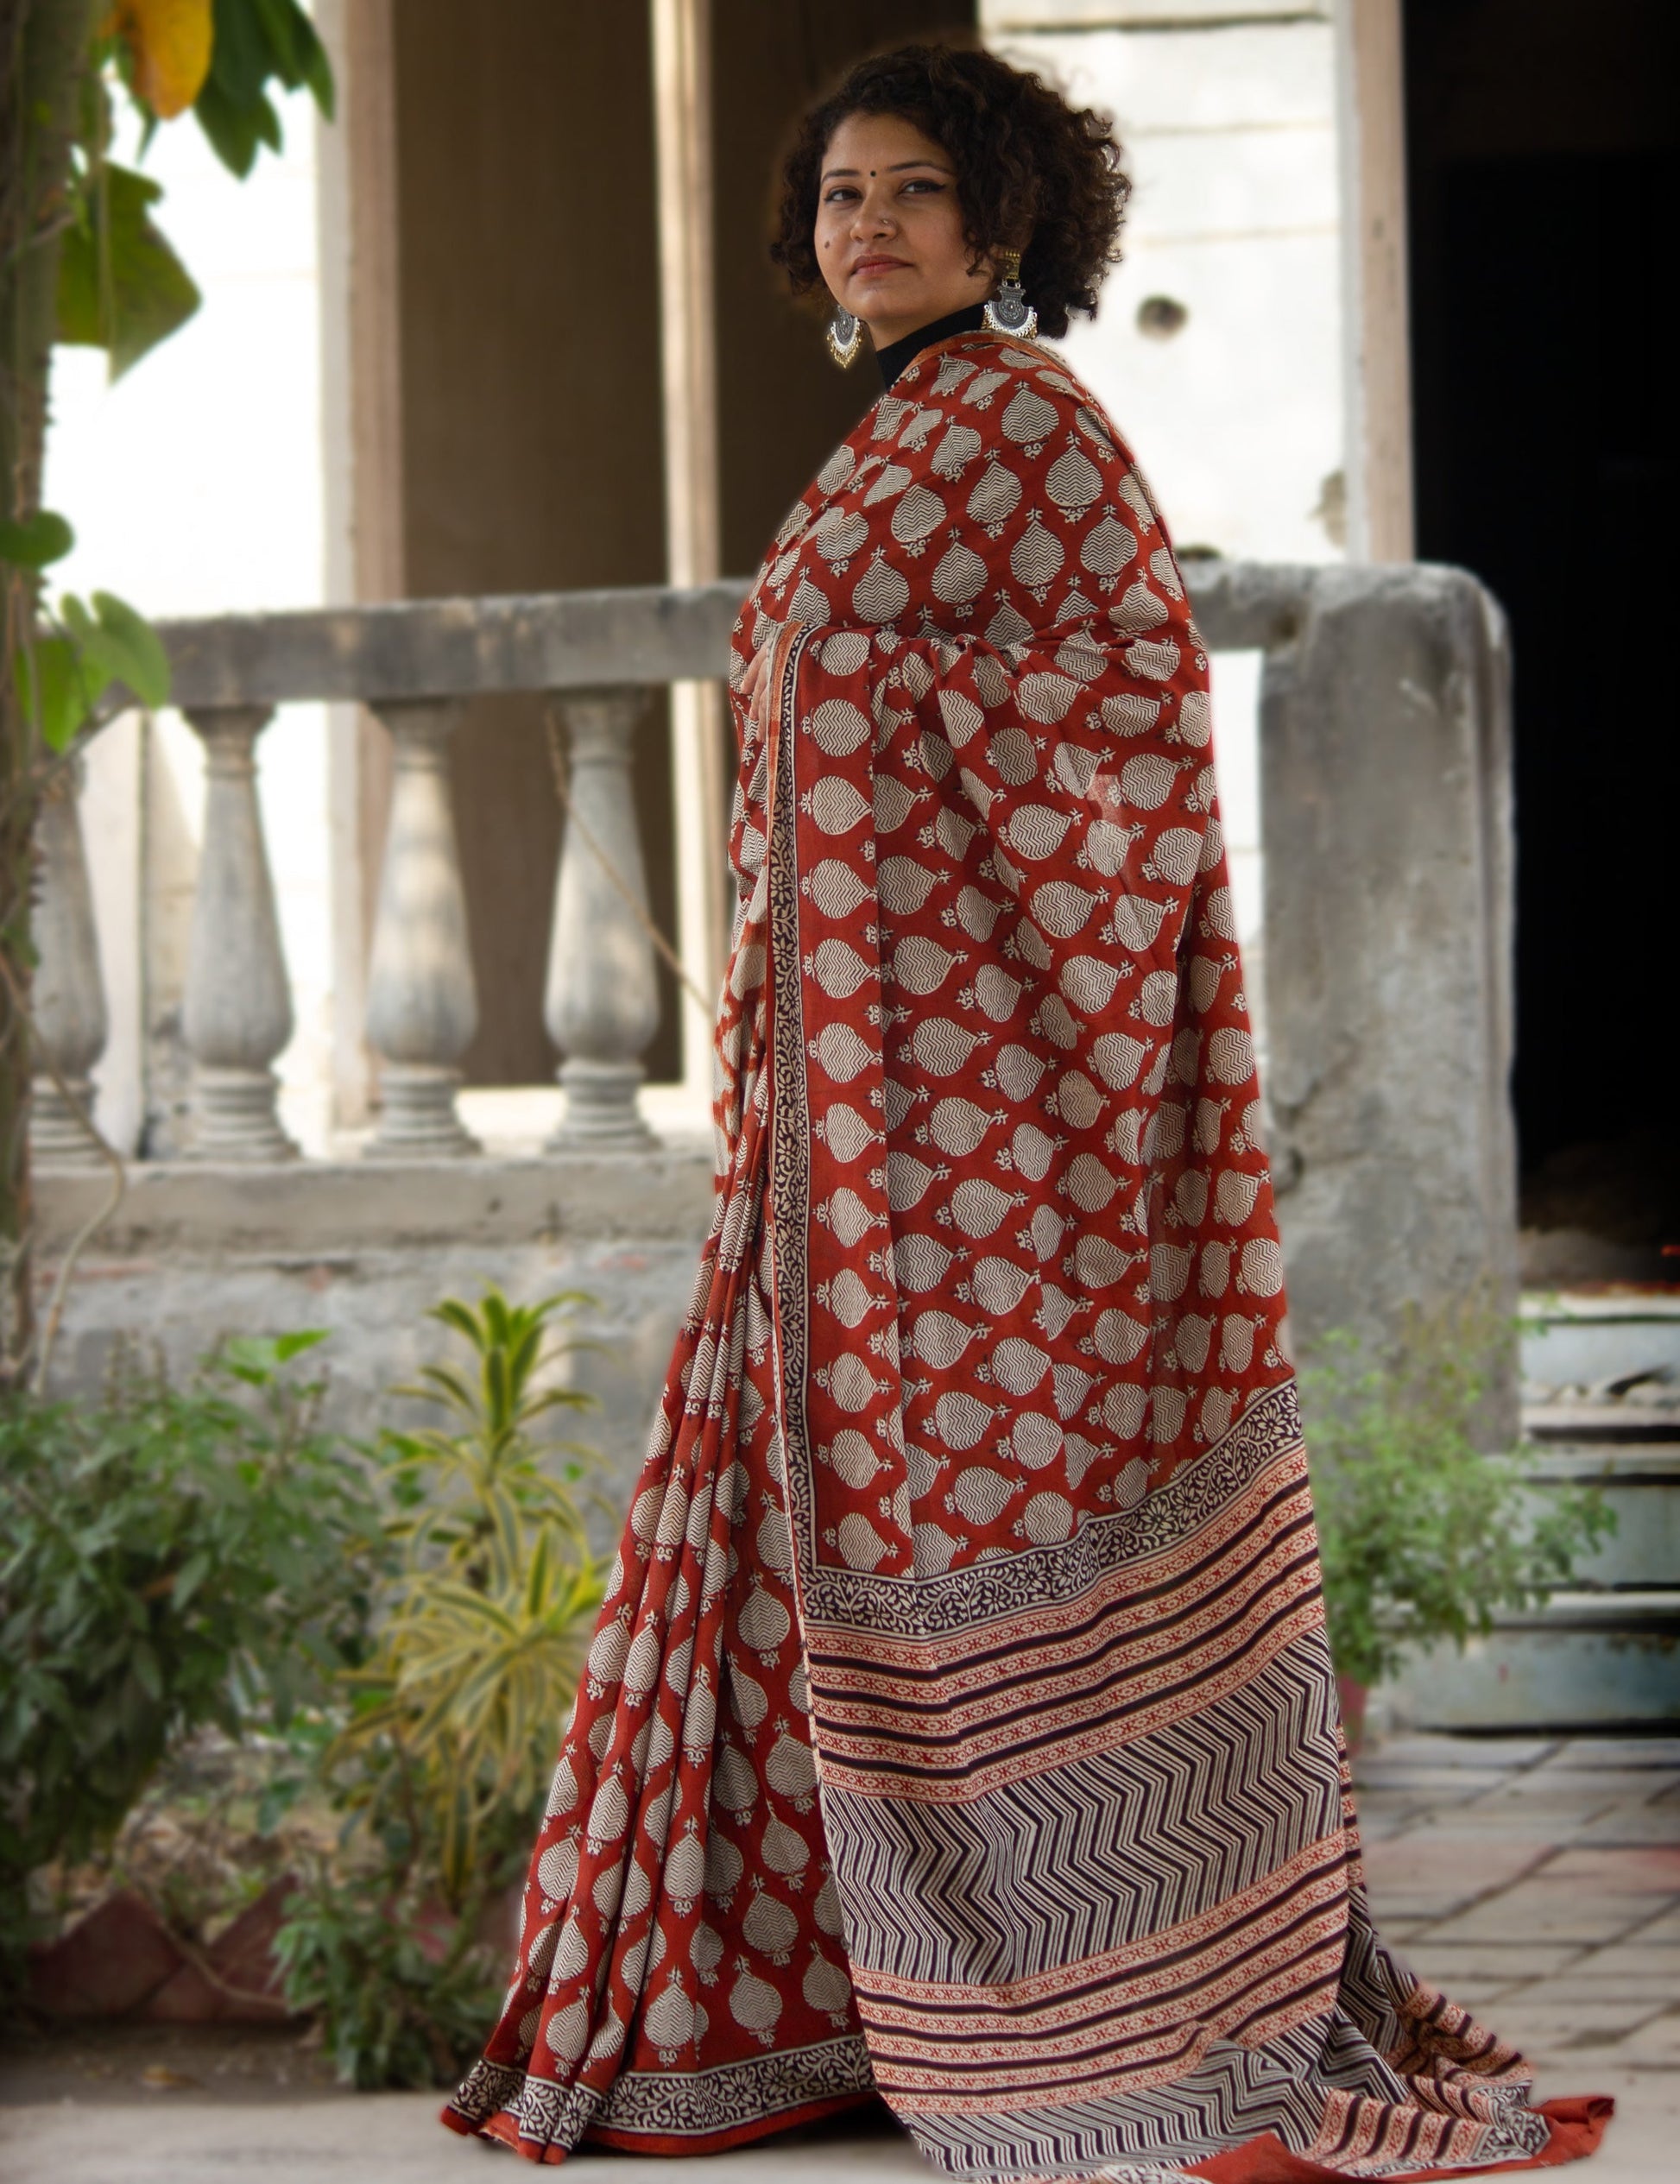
{"points": [[960, 1726]]}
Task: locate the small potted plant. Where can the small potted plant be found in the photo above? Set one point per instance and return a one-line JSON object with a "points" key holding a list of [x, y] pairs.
{"points": [[1425, 1536]]}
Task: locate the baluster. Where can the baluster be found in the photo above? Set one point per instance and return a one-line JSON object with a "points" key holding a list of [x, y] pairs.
{"points": [[69, 995], [602, 1001], [422, 1002], [237, 1014]]}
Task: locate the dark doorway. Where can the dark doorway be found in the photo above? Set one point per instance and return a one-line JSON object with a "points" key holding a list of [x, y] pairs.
{"points": [[1545, 204]]}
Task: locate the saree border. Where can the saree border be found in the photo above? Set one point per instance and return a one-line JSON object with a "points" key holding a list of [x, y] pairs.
{"points": [[1267, 1432], [699, 2104]]}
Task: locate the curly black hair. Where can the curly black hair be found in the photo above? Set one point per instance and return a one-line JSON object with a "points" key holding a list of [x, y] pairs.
{"points": [[1033, 173]]}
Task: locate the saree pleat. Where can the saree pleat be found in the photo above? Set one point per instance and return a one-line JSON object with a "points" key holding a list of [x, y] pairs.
{"points": [[960, 1726]]}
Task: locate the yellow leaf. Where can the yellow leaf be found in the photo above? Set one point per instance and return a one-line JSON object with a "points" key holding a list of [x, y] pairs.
{"points": [[169, 41]]}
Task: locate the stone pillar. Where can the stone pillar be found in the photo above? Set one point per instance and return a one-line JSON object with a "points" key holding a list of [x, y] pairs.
{"points": [[1376, 348], [682, 43], [601, 1003], [422, 1002], [1386, 802], [237, 1014], [68, 994]]}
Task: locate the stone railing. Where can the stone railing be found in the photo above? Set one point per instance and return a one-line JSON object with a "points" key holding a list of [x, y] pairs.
{"points": [[1384, 771], [415, 665]]}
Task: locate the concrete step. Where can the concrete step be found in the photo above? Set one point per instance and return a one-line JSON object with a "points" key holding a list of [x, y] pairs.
{"points": [[1591, 1664], [1601, 1365], [1641, 1483], [1601, 1387]]}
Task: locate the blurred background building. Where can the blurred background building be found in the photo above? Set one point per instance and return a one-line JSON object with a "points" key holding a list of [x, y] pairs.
{"points": [[507, 325]]}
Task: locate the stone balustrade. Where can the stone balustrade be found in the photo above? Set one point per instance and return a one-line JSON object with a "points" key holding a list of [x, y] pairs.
{"points": [[1384, 771], [71, 1022]]}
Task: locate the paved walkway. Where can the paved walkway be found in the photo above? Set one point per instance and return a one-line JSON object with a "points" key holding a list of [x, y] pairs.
{"points": [[1538, 1882]]}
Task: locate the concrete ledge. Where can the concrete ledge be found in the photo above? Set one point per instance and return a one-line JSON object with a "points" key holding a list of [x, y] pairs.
{"points": [[574, 640], [345, 1207], [362, 1250], [454, 648]]}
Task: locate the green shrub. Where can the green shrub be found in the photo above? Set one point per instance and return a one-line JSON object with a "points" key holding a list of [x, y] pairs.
{"points": [[232, 1646], [440, 1768], [1424, 1536], [398, 2004], [171, 1558]]}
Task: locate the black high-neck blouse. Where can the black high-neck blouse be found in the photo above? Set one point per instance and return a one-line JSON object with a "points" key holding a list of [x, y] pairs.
{"points": [[892, 360]]}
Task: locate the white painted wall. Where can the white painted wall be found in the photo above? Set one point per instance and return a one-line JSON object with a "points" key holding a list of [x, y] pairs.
{"points": [[1227, 111], [196, 486], [1230, 138]]}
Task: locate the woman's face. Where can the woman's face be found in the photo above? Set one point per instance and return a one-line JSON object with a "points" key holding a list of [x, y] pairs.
{"points": [[889, 229]]}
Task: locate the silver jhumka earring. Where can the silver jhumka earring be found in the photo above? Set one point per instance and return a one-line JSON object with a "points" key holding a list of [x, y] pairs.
{"points": [[1008, 311], [843, 334]]}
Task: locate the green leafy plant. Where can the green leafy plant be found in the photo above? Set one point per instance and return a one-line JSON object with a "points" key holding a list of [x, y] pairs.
{"points": [[441, 1766], [1424, 1536], [83, 261], [64, 676], [172, 1558], [234, 1648], [484, 1642], [398, 2003]]}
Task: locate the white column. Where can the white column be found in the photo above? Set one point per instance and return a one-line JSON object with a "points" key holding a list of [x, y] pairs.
{"points": [[602, 1001], [1377, 373], [356, 155], [422, 1000], [237, 1012], [681, 44], [69, 994]]}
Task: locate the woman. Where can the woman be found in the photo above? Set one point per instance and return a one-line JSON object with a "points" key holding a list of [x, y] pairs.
{"points": [[959, 1727]]}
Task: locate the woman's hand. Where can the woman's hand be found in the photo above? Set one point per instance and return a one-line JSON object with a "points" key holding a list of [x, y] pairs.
{"points": [[753, 691]]}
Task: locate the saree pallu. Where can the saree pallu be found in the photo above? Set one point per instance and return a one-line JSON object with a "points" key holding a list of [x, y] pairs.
{"points": [[959, 1728]]}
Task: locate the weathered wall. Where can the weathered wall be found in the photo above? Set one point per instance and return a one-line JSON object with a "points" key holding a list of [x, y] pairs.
{"points": [[364, 1250], [1227, 307], [1385, 784]]}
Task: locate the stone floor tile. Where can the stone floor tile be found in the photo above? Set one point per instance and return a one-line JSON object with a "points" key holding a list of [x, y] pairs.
{"points": [[1617, 1751], [1639, 2145], [1416, 1748], [1402, 1911], [1443, 1862], [1636, 1957], [394, 2139], [1657, 1820], [1399, 1928], [1638, 1871], [1423, 1785], [1489, 1996], [1560, 2027], [1543, 1910], [1447, 1962], [1513, 1823], [1381, 1827], [1657, 1989], [1573, 1789], [1658, 2041]]}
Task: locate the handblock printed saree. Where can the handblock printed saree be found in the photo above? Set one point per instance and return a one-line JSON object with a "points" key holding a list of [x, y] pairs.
{"points": [[959, 1725]]}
